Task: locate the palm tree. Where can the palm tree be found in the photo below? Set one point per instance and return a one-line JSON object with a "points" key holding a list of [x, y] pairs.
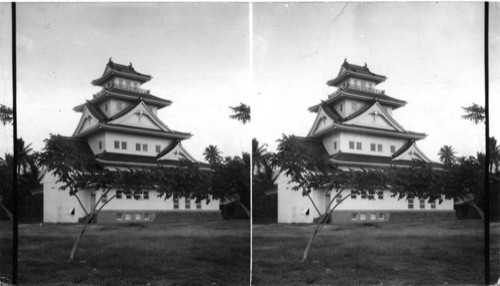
{"points": [[494, 155], [447, 155], [5, 114], [474, 113], [259, 155], [24, 155], [212, 154], [242, 113]]}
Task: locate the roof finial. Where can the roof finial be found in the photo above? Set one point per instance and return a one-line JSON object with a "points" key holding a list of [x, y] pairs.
{"points": [[366, 66], [345, 60], [130, 65], [110, 60]]}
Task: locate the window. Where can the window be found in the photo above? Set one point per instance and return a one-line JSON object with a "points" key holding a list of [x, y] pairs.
{"points": [[187, 203], [138, 216], [145, 195], [176, 203], [354, 216], [363, 83], [198, 205], [128, 217], [335, 145], [124, 145], [379, 147], [422, 203], [158, 148], [128, 196], [106, 107], [373, 216], [410, 203], [118, 194], [381, 216], [358, 145], [137, 146], [363, 195], [120, 81], [146, 216], [362, 216], [380, 195], [393, 149], [127, 82], [119, 106], [104, 197], [341, 106], [351, 144], [353, 195], [433, 204], [119, 216], [339, 199], [137, 196], [135, 84], [100, 145], [145, 147], [117, 144], [373, 147]]}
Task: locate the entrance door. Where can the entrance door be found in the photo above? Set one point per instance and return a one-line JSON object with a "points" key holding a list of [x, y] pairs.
{"points": [[327, 201], [92, 201]]}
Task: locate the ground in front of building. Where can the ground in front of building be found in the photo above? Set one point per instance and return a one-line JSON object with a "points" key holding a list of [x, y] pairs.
{"points": [[177, 253], [406, 253]]}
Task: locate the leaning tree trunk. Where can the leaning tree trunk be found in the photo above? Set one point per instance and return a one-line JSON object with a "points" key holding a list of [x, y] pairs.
{"points": [[247, 211], [9, 214]]}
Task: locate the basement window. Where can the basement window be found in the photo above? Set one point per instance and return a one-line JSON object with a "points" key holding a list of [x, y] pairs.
{"points": [[128, 216], [362, 216], [373, 216], [138, 216], [381, 216]]}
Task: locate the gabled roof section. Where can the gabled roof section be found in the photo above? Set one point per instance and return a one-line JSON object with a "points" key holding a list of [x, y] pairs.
{"points": [[175, 152], [314, 146], [350, 70], [113, 69], [410, 152], [368, 130], [90, 118], [374, 115], [324, 119], [80, 146], [139, 116], [360, 95]]}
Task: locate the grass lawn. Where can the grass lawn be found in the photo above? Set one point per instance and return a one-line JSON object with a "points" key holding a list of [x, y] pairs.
{"points": [[431, 253], [494, 252], [181, 253], [6, 249]]}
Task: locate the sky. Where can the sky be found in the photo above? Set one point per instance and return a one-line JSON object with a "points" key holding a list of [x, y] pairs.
{"points": [[5, 74], [197, 55], [431, 53]]}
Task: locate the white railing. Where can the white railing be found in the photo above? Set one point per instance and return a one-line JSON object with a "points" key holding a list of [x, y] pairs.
{"points": [[361, 88]]}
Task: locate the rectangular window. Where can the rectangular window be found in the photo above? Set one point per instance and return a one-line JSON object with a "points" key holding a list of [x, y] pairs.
{"points": [[124, 145], [373, 147], [118, 194], [198, 205], [145, 147], [127, 82], [119, 216], [341, 107], [339, 199], [128, 196], [117, 144], [363, 195], [100, 145], [422, 203], [135, 84], [176, 203], [145, 195], [379, 147], [138, 216], [410, 203], [353, 195], [335, 145], [120, 81], [105, 107], [137, 146], [119, 106], [354, 216], [373, 216], [358, 145], [158, 148], [381, 216], [380, 195], [146, 216], [393, 149], [128, 216], [433, 204], [104, 197], [351, 145], [187, 203], [362, 216]]}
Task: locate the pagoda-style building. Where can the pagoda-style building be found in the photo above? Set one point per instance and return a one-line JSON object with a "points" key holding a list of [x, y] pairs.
{"points": [[120, 128], [355, 129]]}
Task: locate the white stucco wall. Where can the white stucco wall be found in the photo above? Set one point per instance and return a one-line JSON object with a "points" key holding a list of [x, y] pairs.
{"points": [[366, 140], [132, 140], [292, 205]]}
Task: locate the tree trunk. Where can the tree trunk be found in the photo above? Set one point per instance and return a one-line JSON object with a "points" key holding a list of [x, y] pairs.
{"points": [[9, 214], [479, 211], [247, 211]]}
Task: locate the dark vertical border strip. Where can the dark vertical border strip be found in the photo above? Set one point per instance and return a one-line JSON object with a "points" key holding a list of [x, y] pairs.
{"points": [[14, 181], [487, 133]]}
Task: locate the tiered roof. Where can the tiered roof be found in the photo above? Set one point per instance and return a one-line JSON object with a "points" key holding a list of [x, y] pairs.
{"points": [[361, 72], [113, 69]]}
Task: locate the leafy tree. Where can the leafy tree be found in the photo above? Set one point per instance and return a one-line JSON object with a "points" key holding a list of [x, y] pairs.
{"points": [[6, 114], [494, 155], [312, 173], [259, 154], [241, 113], [6, 169], [474, 113], [76, 173], [264, 180], [212, 154], [447, 155]]}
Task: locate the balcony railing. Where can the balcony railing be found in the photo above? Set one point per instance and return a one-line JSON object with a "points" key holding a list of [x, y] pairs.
{"points": [[123, 87], [356, 87]]}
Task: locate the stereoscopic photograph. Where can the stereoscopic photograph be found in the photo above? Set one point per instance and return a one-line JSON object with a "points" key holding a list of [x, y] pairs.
{"points": [[233, 143]]}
